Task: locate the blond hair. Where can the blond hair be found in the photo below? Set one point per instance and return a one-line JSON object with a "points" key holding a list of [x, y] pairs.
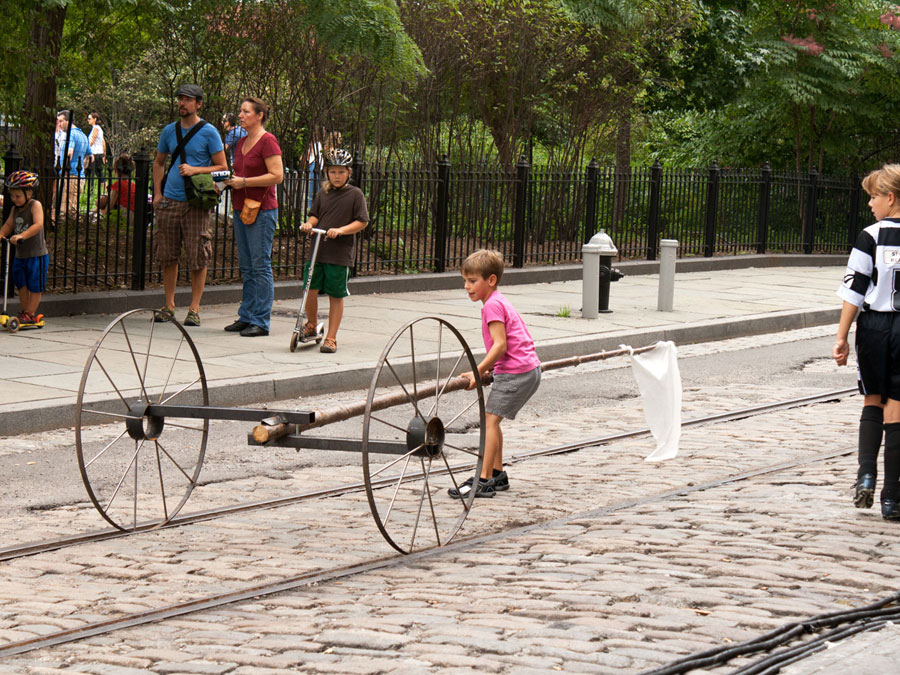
{"points": [[883, 181], [484, 263]]}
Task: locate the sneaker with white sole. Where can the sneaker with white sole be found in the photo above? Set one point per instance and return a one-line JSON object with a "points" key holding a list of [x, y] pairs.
{"points": [[485, 489]]}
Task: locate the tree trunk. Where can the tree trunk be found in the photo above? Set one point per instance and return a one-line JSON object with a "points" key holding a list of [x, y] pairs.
{"points": [[623, 169], [39, 111]]}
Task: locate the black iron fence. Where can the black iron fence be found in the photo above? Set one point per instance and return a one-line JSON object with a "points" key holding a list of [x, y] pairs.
{"points": [[430, 217]]}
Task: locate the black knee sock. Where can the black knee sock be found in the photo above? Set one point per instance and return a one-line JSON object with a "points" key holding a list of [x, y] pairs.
{"points": [[870, 431], [891, 461]]}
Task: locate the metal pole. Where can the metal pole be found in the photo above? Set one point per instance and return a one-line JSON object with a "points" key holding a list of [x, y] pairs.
{"points": [[341, 414], [668, 250]]}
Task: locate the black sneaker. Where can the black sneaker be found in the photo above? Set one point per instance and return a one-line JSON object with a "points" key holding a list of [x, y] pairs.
{"points": [[484, 489], [500, 481], [890, 509], [864, 496]]}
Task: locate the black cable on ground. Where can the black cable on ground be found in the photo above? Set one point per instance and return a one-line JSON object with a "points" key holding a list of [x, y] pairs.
{"points": [[863, 618]]}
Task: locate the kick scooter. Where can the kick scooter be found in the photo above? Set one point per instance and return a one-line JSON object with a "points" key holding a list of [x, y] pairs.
{"points": [[302, 320]]}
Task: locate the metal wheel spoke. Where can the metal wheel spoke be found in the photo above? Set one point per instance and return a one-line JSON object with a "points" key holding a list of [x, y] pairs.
{"points": [[387, 516], [172, 459], [446, 382], [180, 391], [438, 395], [427, 488], [171, 369], [137, 449], [389, 424], [453, 480], [109, 414], [147, 355], [97, 359], [162, 486], [184, 426], [437, 372], [460, 413], [412, 539], [107, 447], [396, 377], [412, 356], [400, 458], [137, 370], [465, 450]]}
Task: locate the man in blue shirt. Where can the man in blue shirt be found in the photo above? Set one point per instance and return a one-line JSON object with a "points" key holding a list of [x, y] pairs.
{"points": [[177, 222], [233, 134], [73, 174]]}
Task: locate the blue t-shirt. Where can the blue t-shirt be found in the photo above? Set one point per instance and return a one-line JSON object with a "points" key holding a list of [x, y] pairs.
{"points": [[79, 147], [198, 152], [232, 137]]}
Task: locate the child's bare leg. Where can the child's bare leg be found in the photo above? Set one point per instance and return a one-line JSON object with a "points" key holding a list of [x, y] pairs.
{"points": [[312, 306], [335, 314], [34, 300], [24, 298], [493, 445]]}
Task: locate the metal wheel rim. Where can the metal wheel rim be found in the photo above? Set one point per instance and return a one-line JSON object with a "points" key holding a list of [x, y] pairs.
{"points": [[374, 483], [168, 511]]}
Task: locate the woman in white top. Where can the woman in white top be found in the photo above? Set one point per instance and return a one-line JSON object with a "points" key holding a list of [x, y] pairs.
{"points": [[95, 161]]}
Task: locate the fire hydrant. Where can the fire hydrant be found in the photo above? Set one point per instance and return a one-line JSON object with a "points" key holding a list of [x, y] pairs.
{"points": [[598, 274]]}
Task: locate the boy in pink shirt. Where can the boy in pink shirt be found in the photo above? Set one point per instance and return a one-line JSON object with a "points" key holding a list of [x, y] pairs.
{"points": [[512, 358]]}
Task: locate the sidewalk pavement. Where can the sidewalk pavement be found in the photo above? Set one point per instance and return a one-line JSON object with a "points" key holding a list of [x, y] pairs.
{"points": [[40, 370]]}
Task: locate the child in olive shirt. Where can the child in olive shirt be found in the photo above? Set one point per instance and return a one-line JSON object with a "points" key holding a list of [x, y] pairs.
{"points": [[340, 209]]}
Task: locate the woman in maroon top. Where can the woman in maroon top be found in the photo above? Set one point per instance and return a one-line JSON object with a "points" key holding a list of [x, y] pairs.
{"points": [[257, 170]]}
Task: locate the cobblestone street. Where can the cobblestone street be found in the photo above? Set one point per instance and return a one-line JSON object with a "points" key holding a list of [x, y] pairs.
{"points": [[587, 583]]}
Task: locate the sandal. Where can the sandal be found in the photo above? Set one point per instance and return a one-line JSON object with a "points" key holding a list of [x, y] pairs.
{"points": [[329, 346], [309, 330]]}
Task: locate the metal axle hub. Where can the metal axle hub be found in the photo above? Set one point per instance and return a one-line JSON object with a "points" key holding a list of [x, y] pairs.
{"points": [[427, 432], [142, 426]]}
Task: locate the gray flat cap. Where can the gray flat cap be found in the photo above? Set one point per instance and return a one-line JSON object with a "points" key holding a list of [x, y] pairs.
{"points": [[191, 91]]}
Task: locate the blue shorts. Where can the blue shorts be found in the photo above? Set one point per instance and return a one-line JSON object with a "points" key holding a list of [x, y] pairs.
{"points": [[31, 273]]}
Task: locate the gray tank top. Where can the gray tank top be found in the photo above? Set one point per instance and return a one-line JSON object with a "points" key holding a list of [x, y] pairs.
{"points": [[22, 220]]}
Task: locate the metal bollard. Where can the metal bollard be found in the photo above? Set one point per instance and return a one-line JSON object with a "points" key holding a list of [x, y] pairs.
{"points": [[597, 274], [668, 249]]}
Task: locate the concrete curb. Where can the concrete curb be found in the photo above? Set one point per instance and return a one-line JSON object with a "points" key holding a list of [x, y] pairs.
{"points": [[35, 416], [118, 301]]}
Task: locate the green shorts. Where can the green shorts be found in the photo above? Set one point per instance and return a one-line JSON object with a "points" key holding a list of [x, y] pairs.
{"points": [[328, 279]]}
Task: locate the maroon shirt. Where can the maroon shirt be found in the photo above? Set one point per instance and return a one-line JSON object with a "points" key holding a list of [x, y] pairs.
{"points": [[254, 164]]}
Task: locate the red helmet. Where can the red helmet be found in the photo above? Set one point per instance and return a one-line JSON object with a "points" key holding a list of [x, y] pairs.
{"points": [[22, 180]]}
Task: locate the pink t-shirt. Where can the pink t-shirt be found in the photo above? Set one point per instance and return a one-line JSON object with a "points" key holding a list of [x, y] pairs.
{"points": [[520, 356]]}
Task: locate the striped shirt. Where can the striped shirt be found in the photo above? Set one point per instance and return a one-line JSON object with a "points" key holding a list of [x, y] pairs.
{"points": [[872, 280]]}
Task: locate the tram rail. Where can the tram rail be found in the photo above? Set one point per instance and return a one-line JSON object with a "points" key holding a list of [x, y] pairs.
{"points": [[35, 548], [386, 562]]}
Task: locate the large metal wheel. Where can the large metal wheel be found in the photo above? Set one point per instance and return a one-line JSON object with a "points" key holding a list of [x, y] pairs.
{"points": [[145, 474], [408, 491]]}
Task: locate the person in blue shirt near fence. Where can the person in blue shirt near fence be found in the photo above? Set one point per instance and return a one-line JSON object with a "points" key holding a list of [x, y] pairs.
{"points": [[177, 222], [72, 175]]}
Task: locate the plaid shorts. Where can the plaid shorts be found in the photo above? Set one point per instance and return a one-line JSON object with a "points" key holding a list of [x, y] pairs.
{"points": [[179, 223]]}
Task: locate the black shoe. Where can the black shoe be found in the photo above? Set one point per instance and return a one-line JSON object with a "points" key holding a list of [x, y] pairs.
{"points": [[254, 331], [890, 509], [237, 326], [484, 489], [864, 496], [500, 482]]}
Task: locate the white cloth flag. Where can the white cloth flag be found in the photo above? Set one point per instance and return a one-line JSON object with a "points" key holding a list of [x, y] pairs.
{"points": [[657, 376]]}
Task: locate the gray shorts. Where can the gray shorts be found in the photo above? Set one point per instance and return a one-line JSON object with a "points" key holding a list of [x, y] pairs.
{"points": [[510, 391]]}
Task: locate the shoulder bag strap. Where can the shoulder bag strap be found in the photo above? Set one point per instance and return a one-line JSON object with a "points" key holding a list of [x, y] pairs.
{"points": [[179, 148]]}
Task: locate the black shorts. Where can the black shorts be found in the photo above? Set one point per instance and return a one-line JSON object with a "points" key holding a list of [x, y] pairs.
{"points": [[878, 354]]}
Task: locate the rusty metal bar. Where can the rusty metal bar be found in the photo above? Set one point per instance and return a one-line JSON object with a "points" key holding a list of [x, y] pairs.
{"points": [[343, 413]]}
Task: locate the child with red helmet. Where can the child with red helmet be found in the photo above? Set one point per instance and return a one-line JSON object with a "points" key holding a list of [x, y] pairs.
{"points": [[25, 230]]}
